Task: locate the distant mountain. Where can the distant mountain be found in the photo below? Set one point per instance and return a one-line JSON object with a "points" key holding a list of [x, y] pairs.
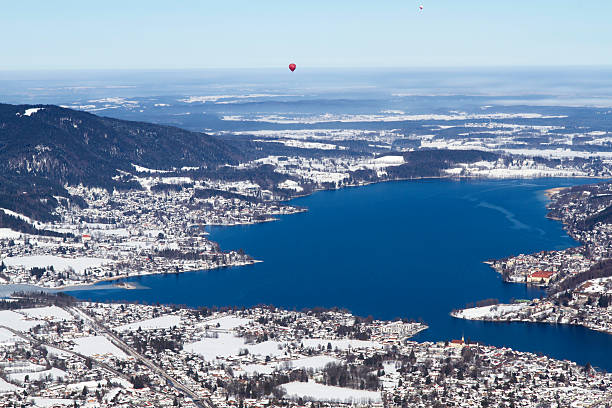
{"points": [[44, 147]]}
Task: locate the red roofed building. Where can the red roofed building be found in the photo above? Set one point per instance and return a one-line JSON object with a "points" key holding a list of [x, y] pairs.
{"points": [[540, 277]]}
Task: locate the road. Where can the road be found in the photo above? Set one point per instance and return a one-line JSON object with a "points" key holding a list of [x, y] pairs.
{"points": [[38, 343], [102, 329]]}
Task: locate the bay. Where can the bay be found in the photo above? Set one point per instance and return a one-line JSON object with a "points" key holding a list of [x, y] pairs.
{"points": [[411, 249]]}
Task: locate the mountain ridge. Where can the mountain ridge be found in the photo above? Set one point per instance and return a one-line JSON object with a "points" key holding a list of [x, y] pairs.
{"points": [[46, 147]]}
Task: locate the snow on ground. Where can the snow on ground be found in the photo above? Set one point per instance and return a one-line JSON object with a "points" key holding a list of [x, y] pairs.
{"points": [[141, 169], [320, 392], [340, 344], [53, 372], [17, 321], [599, 286], [312, 134], [251, 369], [30, 112], [394, 160], [303, 145], [56, 352], [290, 185], [115, 232], [215, 98], [7, 337], [97, 346], [78, 107], [162, 322], [111, 394], [488, 312], [92, 385], [59, 264], [329, 117], [16, 215], [379, 164], [558, 153], [51, 402], [228, 345], [314, 363], [23, 367], [527, 173], [6, 387], [52, 313], [477, 144], [148, 182], [7, 233], [227, 322]]}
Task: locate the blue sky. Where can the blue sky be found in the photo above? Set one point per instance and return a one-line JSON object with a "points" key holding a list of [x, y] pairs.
{"points": [[135, 34]]}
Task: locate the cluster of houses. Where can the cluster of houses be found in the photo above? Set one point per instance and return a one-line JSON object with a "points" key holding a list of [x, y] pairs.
{"points": [[265, 357], [50, 358], [587, 303], [129, 233], [543, 268], [578, 208]]}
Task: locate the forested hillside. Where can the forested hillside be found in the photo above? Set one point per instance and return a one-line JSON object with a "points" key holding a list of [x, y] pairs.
{"points": [[44, 147]]}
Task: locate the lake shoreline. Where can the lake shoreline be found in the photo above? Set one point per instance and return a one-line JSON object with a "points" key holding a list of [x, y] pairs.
{"points": [[298, 210]]}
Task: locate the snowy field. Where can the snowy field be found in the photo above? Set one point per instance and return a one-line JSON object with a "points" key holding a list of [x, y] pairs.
{"points": [[320, 392], [93, 384], [6, 337], [56, 352], [7, 387], [343, 344], [51, 402], [7, 233], [53, 372], [162, 322], [227, 322], [17, 321], [51, 313], [307, 363], [59, 264], [97, 346], [488, 312], [228, 345]]}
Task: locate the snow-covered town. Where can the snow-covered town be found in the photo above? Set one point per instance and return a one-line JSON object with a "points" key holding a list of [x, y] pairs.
{"points": [[128, 233], [59, 352], [579, 279], [105, 234]]}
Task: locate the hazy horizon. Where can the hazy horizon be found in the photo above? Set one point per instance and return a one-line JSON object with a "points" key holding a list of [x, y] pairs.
{"points": [[193, 34]]}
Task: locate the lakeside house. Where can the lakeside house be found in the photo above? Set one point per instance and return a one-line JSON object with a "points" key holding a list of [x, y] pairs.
{"points": [[541, 277]]}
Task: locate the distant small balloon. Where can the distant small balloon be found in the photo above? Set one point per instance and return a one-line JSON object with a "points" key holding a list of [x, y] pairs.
{"points": [[292, 67], [421, 7]]}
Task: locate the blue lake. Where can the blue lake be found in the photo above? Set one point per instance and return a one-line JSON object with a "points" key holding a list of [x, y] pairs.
{"points": [[411, 249]]}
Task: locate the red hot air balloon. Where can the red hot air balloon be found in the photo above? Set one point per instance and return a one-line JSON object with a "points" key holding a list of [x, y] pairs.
{"points": [[292, 67]]}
